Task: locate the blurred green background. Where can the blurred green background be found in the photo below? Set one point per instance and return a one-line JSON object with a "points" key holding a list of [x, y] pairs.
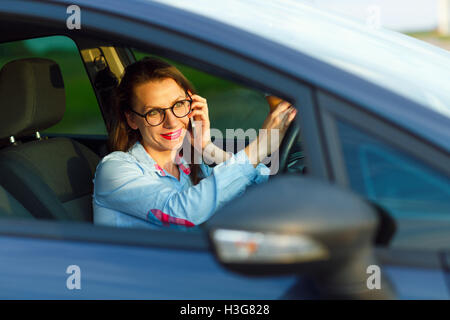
{"points": [[230, 105]]}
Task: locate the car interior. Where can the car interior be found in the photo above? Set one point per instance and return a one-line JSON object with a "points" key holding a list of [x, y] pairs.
{"points": [[50, 177], [47, 174]]}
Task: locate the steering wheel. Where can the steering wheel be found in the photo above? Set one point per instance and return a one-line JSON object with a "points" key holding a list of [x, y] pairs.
{"points": [[289, 140]]}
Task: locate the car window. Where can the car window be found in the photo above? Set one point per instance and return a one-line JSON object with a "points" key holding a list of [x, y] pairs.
{"points": [[230, 105], [408, 188], [82, 115]]}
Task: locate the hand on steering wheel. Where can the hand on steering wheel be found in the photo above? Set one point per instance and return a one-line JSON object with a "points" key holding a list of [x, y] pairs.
{"points": [[273, 130], [290, 137]]}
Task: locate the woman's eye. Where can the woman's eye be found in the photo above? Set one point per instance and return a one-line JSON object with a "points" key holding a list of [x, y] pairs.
{"points": [[153, 113], [179, 104]]}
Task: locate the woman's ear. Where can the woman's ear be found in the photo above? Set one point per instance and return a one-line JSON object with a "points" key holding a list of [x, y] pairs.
{"points": [[130, 120]]}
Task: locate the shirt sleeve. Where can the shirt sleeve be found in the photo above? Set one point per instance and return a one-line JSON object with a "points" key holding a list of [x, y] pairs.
{"points": [[123, 186]]}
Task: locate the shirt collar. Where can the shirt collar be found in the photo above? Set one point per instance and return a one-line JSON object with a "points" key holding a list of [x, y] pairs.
{"points": [[139, 152]]}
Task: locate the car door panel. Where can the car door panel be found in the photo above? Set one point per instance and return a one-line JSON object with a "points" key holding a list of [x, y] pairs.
{"points": [[33, 268], [416, 283]]}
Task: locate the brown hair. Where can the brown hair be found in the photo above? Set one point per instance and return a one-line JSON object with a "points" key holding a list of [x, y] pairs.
{"points": [[122, 137]]}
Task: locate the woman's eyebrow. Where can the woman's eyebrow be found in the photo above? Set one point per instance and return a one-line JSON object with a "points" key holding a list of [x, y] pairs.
{"points": [[176, 99]]}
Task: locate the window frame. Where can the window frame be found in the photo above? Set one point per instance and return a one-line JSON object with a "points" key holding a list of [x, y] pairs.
{"points": [[333, 108], [215, 60]]}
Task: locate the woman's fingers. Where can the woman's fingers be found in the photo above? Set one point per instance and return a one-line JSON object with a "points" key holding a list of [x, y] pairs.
{"points": [[281, 120], [284, 123], [199, 113], [292, 115], [199, 105], [196, 97], [290, 112], [282, 106]]}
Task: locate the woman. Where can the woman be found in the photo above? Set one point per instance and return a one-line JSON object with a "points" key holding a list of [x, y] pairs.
{"points": [[145, 181]]}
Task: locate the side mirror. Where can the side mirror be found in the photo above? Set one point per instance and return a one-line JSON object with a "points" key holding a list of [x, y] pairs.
{"points": [[298, 225]]}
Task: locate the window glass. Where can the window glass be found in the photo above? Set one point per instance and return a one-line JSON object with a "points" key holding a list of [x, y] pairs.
{"points": [[405, 186], [231, 106], [82, 114]]}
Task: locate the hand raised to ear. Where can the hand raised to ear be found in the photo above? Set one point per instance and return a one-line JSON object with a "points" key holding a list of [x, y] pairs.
{"points": [[200, 115]]}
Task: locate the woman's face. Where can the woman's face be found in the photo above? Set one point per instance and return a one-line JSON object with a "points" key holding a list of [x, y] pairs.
{"points": [[170, 133]]}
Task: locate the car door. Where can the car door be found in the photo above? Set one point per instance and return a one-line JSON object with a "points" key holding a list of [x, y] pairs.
{"points": [[246, 57], [56, 260], [405, 175]]}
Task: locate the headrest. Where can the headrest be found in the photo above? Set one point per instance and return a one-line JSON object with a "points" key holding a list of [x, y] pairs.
{"points": [[32, 96]]}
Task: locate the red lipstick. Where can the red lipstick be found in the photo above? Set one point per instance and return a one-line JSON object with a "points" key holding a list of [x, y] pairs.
{"points": [[172, 135]]}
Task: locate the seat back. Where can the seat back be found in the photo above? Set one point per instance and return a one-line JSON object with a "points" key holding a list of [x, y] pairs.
{"points": [[10, 207], [51, 178]]}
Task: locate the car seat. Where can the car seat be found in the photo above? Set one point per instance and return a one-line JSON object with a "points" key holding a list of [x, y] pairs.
{"points": [[11, 208], [51, 178]]}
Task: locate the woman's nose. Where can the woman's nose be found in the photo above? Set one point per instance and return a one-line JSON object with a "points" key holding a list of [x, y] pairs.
{"points": [[170, 120]]}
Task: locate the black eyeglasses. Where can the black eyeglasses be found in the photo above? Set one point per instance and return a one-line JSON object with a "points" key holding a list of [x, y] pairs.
{"points": [[156, 116]]}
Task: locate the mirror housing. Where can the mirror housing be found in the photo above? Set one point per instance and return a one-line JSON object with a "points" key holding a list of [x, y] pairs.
{"points": [[298, 225]]}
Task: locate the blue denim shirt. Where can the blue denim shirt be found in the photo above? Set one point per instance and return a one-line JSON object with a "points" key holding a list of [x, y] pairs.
{"points": [[132, 190]]}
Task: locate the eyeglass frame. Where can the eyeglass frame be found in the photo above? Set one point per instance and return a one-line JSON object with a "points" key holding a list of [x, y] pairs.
{"points": [[164, 110]]}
